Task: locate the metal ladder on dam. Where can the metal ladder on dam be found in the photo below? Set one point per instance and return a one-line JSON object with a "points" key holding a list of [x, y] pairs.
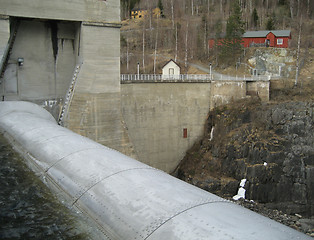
{"points": [[69, 96], [8, 49]]}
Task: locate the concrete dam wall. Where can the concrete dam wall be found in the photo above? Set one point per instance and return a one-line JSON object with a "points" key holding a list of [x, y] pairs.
{"points": [[164, 120]]}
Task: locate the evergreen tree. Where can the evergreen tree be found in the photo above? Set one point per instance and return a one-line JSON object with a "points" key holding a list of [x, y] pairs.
{"points": [[282, 2], [129, 4], [218, 30], [255, 18], [218, 37], [231, 45], [161, 7], [270, 24]]}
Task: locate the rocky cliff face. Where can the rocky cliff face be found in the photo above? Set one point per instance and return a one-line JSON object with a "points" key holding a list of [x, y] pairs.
{"points": [[270, 145], [274, 61]]}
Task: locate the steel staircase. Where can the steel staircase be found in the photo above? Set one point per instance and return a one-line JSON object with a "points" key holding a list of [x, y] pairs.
{"points": [[69, 96], [8, 49]]}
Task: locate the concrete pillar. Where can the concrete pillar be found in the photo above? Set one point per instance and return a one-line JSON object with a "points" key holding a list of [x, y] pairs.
{"points": [[4, 34], [100, 55], [95, 110], [4, 38], [222, 92]]}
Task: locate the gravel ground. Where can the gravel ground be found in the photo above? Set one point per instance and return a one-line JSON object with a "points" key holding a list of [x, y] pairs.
{"points": [[298, 222]]}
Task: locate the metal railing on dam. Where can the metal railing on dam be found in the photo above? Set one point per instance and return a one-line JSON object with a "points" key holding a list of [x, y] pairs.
{"points": [[186, 78]]}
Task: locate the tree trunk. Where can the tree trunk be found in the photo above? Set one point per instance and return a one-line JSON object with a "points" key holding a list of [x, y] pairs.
{"points": [[176, 54], [186, 44], [298, 55], [298, 9], [143, 48], [192, 7], [251, 6], [150, 19], [291, 8], [208, 6], [205, 36], [156, 42], [172, 14], [127, 55]]}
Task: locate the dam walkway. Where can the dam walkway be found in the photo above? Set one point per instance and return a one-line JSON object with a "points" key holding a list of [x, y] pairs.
{"points": [[186, 78]]}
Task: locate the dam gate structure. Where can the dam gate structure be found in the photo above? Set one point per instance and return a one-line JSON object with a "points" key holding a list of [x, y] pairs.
{"points": [[43, 43], [65, 56], [165, 117]]}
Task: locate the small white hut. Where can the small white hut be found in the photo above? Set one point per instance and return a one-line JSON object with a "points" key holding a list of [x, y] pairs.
{"points": [[171, 70]]}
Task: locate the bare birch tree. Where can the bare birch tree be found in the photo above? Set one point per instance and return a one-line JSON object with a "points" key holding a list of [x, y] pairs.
{"points": [[205, 36], [192, 7], [172, 14], [156, 42], [298, 8], [298, 54], [251, 6], [143, 47], [127, 54], [186, 44], [208, 6], [176, 52], [291, 8]]}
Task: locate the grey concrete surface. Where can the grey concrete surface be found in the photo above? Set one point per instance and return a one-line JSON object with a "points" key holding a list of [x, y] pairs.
{"points": [[49, 60], [156, 115], [72, 10], [4, 35]]}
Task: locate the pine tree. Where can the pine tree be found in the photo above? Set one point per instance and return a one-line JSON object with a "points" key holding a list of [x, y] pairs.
{"points": [[218, 36], [282, 2], [161, 7], [255, 18], [270, 24], [231, 45], [129, 4]]}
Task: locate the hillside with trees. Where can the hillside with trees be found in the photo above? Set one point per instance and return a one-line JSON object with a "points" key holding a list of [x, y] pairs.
{"points": [[183, 29]]}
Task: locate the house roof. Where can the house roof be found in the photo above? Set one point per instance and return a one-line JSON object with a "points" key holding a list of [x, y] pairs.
{"points": [[282, 33], [171, 60], [277, 33], [252, 34], [261, 34]]}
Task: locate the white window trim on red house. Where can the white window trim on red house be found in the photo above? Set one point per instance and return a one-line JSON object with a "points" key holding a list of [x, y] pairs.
{"points": [[279, 41]]}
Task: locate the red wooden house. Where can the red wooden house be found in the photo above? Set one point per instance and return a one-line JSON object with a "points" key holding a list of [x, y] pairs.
{"points": [[274, 38]]}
